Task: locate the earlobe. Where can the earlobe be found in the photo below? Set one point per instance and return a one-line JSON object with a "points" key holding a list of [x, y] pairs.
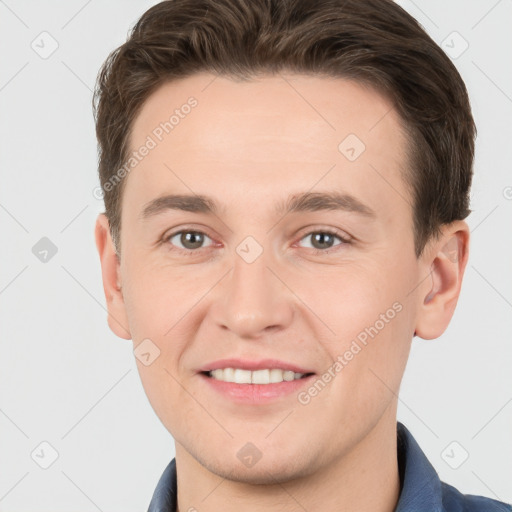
{"points": [[439, 295], [110, 272]]}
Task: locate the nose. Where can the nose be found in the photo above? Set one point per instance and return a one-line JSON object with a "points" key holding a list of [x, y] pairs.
{"points": [[253, 300]]}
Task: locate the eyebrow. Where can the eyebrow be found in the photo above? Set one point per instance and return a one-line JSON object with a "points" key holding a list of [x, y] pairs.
{"points": [[305, 202]]}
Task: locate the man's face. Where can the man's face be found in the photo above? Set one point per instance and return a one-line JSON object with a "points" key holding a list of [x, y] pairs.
{"points": [[260, 283]]}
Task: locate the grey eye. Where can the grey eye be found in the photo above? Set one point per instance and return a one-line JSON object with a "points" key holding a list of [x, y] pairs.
{"points": [[189, 240], [322, 239]]}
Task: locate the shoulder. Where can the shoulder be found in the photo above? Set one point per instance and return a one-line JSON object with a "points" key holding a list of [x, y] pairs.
{"points": [[455, 501]]}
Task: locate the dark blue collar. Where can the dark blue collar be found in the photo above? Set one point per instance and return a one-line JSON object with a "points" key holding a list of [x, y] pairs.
{"points": [[420, 487]]}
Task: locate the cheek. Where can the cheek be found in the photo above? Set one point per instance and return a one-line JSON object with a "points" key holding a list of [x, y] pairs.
{"points": [[161, 303], [347, 299], [370, 314], [157, 298], [368, 368]]}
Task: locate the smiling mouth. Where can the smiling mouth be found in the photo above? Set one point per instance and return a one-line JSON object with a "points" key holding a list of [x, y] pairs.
{"points": [[264, 376]]}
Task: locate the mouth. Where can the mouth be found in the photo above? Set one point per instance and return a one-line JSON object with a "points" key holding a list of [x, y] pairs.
{"points": [[252, 381], [264, 376], [255, 387]]}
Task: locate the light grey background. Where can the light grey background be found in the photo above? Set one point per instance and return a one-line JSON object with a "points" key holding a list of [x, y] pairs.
{"points": [[67, 380]]}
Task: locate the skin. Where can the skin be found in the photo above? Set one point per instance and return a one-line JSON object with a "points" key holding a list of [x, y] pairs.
{"points": [[249, 145]]}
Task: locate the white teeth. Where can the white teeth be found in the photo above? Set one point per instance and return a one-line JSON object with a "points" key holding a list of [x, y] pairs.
{"points": [[217, 374], [242, 376], [276, 375], [260, 377], [256, 377], [229, 373]]}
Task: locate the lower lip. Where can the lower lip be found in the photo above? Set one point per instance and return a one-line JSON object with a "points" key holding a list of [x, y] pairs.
{"points": [[256, 393]]}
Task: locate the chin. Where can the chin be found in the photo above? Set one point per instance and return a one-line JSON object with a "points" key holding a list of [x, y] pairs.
{"points": [[265, 472]]}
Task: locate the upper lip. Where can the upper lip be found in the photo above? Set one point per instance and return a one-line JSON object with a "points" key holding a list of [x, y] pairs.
{"points": [[246, 364]]}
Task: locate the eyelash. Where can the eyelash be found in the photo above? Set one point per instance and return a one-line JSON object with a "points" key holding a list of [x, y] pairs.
{"points": [[191, 252]]}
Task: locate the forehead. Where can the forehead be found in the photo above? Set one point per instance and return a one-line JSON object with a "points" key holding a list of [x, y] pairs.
{"points": [[268, 137]]}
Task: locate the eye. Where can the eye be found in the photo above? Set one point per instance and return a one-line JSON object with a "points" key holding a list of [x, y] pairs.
{"points": [[322, 240], [190, 240]]}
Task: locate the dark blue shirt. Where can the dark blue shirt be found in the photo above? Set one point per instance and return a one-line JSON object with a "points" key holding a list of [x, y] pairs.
{"points": [[420, 487]]}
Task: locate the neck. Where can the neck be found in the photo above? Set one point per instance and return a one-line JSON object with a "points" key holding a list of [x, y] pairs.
{"points": [[365, 479]]}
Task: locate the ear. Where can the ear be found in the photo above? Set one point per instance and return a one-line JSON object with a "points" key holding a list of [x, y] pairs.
{"points": [[110, 272], [446, 258]]}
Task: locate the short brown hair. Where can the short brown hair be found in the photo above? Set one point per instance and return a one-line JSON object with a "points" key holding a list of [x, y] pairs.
{"points": [[374, 42]]}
